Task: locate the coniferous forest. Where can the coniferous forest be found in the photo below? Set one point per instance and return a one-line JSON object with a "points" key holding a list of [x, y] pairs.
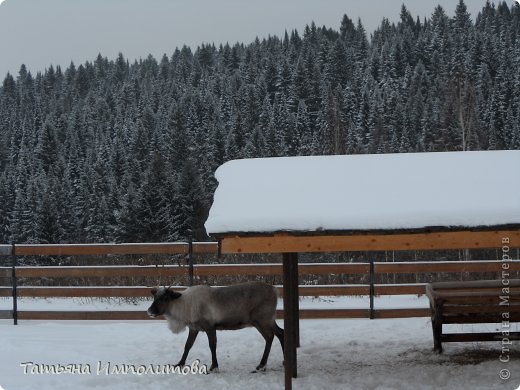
{"points": [[116, 151]]}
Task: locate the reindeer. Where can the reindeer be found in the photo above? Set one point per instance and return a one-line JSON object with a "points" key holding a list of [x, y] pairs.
{"points": [[208, 309]]}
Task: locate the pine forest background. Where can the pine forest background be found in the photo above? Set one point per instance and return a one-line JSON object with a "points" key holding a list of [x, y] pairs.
{"points": [[116, 151]]}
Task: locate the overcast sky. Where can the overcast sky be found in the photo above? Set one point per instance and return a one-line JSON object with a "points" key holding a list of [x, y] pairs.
{"points": [[43, 32]]}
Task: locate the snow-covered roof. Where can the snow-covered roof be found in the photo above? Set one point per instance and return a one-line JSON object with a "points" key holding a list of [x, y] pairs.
{"points": [[367, 192]]}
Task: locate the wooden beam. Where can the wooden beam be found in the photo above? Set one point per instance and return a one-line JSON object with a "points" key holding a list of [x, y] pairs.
{"points": [[480, 309], [5, 272], [276, 269], [481, 319], [101, 249], [6, 314], [330, 290], [271, 269], [445, 266], [333, 313], [237, 269], [75, 292], [6, 250], [400, 289], [143, 291], [205, 247], [84, 315], [141, 315], [333, 268], [175, 270], [437, 288], [310, 314], [465, 337], [290, 285], [100, 271], [285, 243], [401, 313]]}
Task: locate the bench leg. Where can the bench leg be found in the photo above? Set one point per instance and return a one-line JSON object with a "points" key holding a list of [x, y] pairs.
{"points": [[437, 328], [437, 332]]}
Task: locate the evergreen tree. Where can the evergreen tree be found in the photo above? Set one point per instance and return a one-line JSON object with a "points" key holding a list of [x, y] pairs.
{"points": [[111, 150]]}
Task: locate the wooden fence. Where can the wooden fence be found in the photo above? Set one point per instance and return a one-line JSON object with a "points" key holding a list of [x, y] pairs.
{"points": [[366, 270]]}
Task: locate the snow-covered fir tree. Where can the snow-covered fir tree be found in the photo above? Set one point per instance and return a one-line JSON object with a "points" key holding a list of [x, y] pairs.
{"points": [[117, 151]]}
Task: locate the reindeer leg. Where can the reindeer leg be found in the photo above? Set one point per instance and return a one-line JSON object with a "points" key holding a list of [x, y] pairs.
{"points": [[279, 334], [265, 356], [268, 335], [212, 338], [189, 343]]}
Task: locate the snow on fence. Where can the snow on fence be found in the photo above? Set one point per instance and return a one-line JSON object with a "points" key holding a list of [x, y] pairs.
{"points": [[191, 271]]}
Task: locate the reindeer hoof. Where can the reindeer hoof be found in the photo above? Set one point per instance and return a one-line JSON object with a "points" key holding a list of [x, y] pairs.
{"points": [[214, 369], [259, 369]]}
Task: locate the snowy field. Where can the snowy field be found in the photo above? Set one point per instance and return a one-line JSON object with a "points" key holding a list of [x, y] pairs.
{"points": [[335, 354]]}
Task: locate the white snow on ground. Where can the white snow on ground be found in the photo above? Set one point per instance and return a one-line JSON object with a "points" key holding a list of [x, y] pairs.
{"points": [[335, 354], [366, 192]]}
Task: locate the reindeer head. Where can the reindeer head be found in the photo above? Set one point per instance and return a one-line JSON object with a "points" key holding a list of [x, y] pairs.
{"points": [[162, 296]]}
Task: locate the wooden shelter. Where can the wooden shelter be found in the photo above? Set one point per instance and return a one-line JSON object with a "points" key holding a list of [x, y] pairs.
{"points": [[423, 201]]}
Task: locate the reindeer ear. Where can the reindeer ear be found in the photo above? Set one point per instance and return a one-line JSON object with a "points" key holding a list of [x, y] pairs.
{"points": [[173, 294], [154, 291]]}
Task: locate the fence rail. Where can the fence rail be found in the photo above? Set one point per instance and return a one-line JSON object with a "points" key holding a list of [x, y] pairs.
{"points": [[272, 269], [114, 249], [368, 269]]}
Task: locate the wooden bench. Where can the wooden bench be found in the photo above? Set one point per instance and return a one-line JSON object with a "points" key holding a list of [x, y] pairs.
{"points": [[486, 301]]}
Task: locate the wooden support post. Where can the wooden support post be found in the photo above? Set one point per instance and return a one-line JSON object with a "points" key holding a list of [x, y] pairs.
{"points": [[372, 281], [190, 262], [296, 303], [290, 307], [436, 309], [15, 285]]}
